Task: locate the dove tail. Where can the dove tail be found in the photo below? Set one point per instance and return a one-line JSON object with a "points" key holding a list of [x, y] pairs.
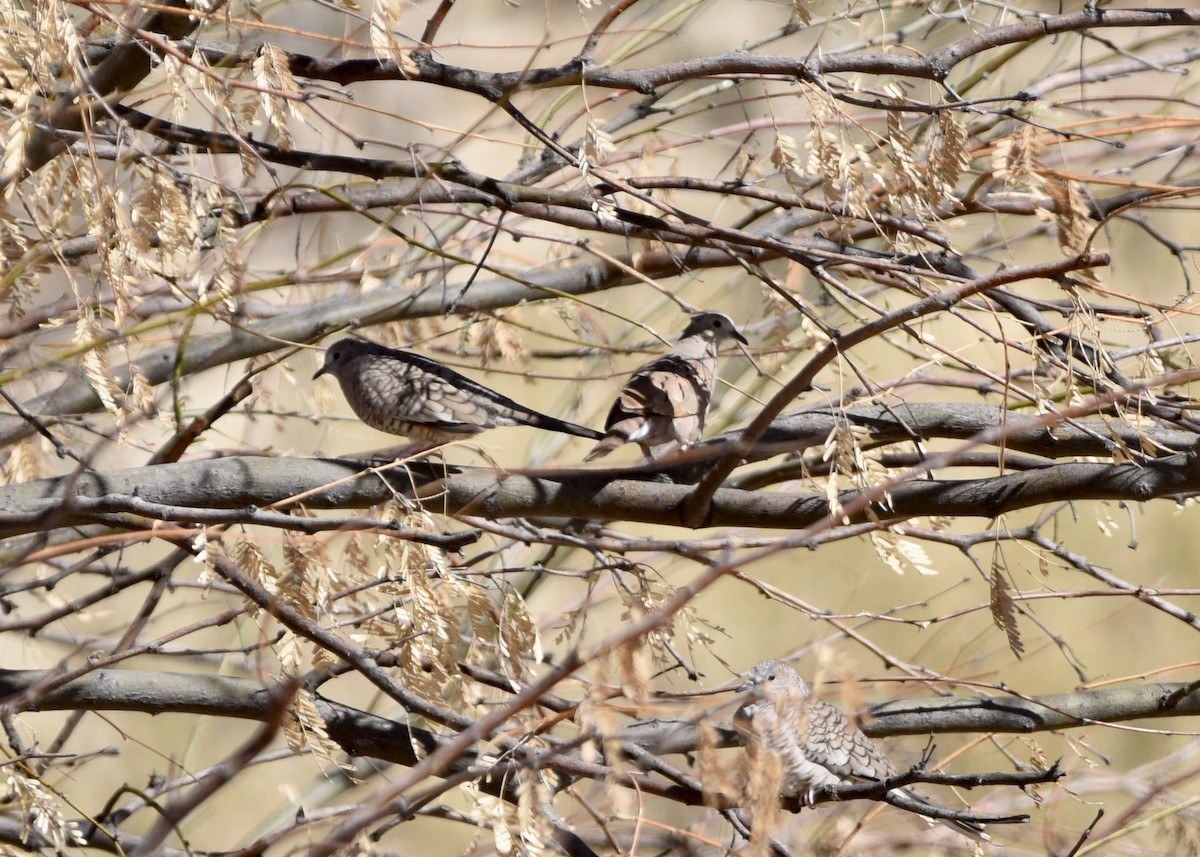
{"points": [[555, 424], [968, 828], [607, 444], [971, 829]]}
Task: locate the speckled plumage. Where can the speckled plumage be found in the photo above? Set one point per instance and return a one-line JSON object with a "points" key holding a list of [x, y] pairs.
{"points": [[666, 401], [406, 394], [817, 744]]}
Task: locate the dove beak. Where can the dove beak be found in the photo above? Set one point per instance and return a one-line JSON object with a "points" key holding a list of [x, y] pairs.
{"points": [[738, 336], [320, 372], [743, 687]]}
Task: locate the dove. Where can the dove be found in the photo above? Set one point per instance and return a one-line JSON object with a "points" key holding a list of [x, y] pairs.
{"points": [[817, 744], [666, 401], [406, 394]]}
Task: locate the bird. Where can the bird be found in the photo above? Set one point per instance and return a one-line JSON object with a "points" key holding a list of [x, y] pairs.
{"points": [[666, 401], [403, 393], [817, 744]]}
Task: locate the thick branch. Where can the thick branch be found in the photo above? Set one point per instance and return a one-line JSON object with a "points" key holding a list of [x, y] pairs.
{"points": [[188, 493], [1004, 714], [896, 423], [363, 734]]}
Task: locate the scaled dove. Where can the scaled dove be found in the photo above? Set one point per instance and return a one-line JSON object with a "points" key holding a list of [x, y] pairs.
{"points": [[406, 394], [666, 401], [817, 745]]}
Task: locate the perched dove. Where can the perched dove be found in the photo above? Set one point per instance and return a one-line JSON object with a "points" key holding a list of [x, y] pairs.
{"points": [[666, 401], [410, 395], [818, 746]]}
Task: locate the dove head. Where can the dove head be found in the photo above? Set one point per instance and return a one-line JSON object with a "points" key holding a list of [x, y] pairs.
{"points": [[771, 679], [713, 325], [339, 355]]}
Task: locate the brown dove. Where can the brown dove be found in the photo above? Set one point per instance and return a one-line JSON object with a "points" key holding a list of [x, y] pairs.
{"points": [[817, 744], [406, 394], [666, 401]]}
